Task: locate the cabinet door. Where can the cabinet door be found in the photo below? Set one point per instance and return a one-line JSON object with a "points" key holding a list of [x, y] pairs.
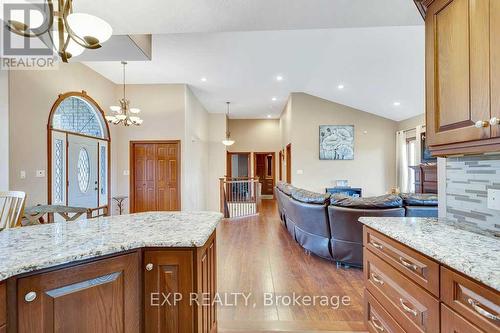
{"points": [[206, 285], [495, 64], [101, 296], [457, 71], [167, 275]]}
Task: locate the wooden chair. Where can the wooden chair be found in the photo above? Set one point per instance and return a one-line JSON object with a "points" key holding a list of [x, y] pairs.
{"points": [[12, 204]]}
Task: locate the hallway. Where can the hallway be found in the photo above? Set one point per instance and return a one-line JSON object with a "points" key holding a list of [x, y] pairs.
{"points": [[257, 255]]}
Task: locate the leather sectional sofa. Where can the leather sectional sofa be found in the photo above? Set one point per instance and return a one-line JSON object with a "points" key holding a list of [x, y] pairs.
{"points": [[328, 226]]}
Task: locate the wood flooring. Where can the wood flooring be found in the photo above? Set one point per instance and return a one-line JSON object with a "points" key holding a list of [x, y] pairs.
{"points": [[256, 255]]}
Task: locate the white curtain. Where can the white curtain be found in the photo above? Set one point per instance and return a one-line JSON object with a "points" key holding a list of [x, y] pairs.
{"points": [[418, 148], [401, 162]]}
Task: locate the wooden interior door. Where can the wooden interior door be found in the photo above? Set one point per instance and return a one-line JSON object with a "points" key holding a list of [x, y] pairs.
{"points": [[168, 273], [264, 168], [280, 166], [155, 176], [167, 179], [289, 163], [457, 71], [495, 64], [101, 296]]}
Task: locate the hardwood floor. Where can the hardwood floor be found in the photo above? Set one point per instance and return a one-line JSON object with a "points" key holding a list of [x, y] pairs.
{"points": [[257, 256]]}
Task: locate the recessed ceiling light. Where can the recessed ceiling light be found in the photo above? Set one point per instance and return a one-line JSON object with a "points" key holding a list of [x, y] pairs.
{"points": [[396, 103], [203, 79], [274, 99], [268, 116], [279, 78], [340, 86]]}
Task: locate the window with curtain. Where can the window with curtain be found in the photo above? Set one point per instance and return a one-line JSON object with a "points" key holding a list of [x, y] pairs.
{"points": [[411, 156]]}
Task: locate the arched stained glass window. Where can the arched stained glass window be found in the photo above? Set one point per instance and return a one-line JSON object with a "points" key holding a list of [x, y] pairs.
{"points": [[77, 115]]}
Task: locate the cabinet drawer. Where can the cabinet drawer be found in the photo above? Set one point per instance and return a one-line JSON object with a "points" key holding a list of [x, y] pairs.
{"points": [[414, 309], [3, 303], [478, 304], [451, 322], [412, 264], [377, 319]]}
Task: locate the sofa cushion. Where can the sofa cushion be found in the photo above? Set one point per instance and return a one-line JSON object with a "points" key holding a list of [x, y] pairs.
{"points": [[380, 202], [418, 199], [287, 189], [309, 197]]}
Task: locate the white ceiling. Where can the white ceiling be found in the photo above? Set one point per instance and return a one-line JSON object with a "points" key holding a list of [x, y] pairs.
{"points": [[187, 16], [378, 64]]}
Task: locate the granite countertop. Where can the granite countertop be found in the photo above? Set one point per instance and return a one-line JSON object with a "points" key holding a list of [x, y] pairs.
{"points": [[36, 247], [470, 253]]}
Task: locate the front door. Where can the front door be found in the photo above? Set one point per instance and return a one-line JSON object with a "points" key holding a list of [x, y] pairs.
{"points": [[82, 172]]}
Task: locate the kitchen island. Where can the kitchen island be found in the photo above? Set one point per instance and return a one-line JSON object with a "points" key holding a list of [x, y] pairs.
{"points": [[430, 275], [111, 274]]}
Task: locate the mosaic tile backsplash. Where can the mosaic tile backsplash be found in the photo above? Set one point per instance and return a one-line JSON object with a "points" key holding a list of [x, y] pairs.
{"points": [[468, 179]]}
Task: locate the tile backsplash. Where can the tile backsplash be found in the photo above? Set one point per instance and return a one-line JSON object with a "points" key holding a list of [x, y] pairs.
{"points": [[468, 179]]}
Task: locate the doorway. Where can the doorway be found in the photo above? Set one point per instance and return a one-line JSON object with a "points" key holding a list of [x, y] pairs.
{"points": [[238, 165], [289, 163], [264, 168], [155, 176]]}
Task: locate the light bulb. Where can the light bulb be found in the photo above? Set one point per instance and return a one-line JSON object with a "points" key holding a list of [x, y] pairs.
{"points": [[115, 108], [135, 110], [121, 116], [134, 119], [228, 142], [92, 29], [110, 118]]}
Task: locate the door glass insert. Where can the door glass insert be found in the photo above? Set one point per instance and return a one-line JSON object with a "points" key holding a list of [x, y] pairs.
{"points": [[83, 170]]}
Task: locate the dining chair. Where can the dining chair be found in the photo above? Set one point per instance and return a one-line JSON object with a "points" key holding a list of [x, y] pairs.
{"points": [[12, 206]]}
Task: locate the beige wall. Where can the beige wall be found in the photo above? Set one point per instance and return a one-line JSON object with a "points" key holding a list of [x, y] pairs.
{"points": [[373, 167], [32, 94], [195, 161], [411, 123], [256, 135], [216, 158], [162, 109], [4, 130]]}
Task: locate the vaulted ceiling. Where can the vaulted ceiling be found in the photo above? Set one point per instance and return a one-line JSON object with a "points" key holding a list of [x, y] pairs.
{"points": [[373, 48]]}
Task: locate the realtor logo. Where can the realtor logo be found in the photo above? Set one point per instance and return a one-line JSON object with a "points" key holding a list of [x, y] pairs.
{"points": [[26, 42]]}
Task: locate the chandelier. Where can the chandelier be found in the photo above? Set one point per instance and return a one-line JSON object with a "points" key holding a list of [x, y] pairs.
{"points": [[122, 112], [70, 33], [228, 141]]}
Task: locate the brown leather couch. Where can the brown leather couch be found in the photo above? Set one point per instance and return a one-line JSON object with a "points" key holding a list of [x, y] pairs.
{"points": [[347, 232], [420, 205], [309, 215]]}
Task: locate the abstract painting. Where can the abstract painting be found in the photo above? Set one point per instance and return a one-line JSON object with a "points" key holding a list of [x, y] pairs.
{"points": [[336, 142]]}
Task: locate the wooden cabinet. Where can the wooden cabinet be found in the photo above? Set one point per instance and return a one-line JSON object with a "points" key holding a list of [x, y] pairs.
{"points": [[454, 323], [462, 70], [169, 290], [101, 296], [401, 294], [426, 178], [168, 282], [3, 307]]}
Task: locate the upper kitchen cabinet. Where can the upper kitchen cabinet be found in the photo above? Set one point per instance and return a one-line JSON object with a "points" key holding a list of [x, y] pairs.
{"points": [[463, 76]]}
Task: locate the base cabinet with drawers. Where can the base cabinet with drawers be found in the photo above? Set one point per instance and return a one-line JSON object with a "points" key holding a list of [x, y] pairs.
{"points": [[405, 291], [130, 291]]}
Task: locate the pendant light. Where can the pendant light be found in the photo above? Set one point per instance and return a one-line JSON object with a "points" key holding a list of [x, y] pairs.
{"points": [[228, 141], [70, 33], [122, 112]]}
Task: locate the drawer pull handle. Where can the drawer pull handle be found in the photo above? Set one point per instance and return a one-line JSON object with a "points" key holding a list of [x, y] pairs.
{"points": [[475, 305], [377, 326], [149, 267], [408, 264], [30, 297], [377, 279], [377, 245], [407, 308]]}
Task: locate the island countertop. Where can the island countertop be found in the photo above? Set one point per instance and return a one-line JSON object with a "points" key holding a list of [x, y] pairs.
{"points": [[37, 247], [467, 252]]}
